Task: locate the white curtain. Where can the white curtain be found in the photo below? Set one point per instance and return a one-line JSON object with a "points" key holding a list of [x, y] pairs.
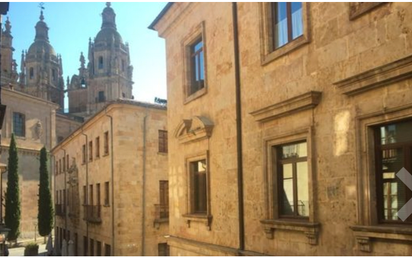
{"points": [[297, 24]]}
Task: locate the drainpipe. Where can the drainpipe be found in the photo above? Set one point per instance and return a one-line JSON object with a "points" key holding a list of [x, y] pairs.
{"points": [[238, 129], [111, 177], [144, 184], [87, 182], [65, 199]]}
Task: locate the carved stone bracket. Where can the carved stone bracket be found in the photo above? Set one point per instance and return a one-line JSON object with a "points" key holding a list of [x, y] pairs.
{"points": [[206, 219], [311, 230], [364, 244]]}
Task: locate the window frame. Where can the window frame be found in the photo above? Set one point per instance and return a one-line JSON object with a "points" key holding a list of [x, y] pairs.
{"points": [[106, 143], [107, 193], [407, 151], [190, 185], [97, 147], [163, 141], [19, 122], [272, 220], [278, 162], [192, 37], [91, 150], [268, 52]]}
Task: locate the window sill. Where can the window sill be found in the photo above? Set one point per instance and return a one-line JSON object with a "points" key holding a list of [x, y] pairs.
{"points": [[195, 95], [365, 234], [202, 218], [157, 222], [310, 229], [289, 47], [106, 154]]}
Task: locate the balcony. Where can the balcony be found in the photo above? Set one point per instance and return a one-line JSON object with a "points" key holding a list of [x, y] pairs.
{"points": [[92, 213], [161, 214], [59, 210]]}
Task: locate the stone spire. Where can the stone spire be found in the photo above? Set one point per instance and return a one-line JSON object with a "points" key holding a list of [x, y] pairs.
{"points": [[8, 27], [109, 17], [42, 31]]}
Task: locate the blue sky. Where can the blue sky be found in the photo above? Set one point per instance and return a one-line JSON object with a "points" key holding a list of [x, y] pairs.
{"points": [[71, 25]]}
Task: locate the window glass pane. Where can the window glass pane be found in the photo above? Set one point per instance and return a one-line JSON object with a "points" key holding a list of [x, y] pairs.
{"points": [[198, 46], [197, 68], [199, 190], [396, 133], [295, 150], [201, 64], [394, 191], [297, 23], [303, 188], [281, 26], [288, 207]]}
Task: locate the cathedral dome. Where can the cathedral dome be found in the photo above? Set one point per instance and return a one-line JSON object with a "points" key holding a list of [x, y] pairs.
{"points": [[41, 46], [107, 35]]}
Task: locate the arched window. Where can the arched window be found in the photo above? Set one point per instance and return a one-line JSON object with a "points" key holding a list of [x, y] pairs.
{"points": [[100, 62], [31, 73]]}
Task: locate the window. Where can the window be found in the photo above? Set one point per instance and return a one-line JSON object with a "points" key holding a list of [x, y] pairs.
{"points": [[97, 147], [100, 62], [98, 248], [198, 187], [163, 199], [98, 193], [56, 167], [123, 65], [91, 247], [85, 246], [162, 141], [163, 249], [293, 190], [393, 152], [60, 166], [197, 66], [106, 193], [31, 73], [19, 124], [106, 142], [64, 163], [91, 195], [287, 22], [91, 151], [54, 77], [107, 250], [84, 195], [284, 28], [68, 162], [84, 154], [101, 97]]}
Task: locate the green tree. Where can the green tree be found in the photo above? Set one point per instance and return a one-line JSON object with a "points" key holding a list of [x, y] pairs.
{"points": [[12, 217], [45, 215]]}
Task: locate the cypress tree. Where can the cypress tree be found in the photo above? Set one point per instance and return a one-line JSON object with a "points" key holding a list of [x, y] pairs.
{"points": [[45, 215], [12, 217]]}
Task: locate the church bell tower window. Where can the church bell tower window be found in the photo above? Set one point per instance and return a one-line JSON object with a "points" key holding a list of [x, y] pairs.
{"points": [[101, 62], [31, 73]]}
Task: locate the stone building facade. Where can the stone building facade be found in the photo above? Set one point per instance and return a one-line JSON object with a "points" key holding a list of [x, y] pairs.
{"points": [[33, 122], [108, 73], [111, 183], [289, 124]]}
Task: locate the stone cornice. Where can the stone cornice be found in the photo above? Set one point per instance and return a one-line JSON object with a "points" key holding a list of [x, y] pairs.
{"points": [[299, 103], [378, 77]]}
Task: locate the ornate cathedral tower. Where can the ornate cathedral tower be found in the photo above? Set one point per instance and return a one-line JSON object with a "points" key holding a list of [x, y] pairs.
{"points": [[9, 73], [43, 68], [108, 75]]}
